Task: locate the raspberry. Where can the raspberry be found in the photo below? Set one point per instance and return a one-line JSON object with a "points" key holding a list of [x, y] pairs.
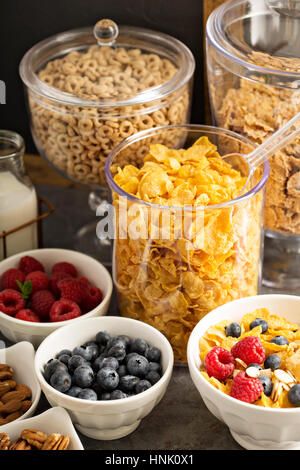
{"points": [[27, 315], [246, 388], [54, 280], [10, 277], [93, 299], [64, 309], [28, 264], [39, 281], [41, 303], [64, 267], [249, 349], [219, 363], [11, 302], [84, 279], [73, 289]]}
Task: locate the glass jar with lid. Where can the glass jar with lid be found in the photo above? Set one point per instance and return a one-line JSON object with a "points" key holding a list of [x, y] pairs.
{"points": [[253, 63], [88, 89]]}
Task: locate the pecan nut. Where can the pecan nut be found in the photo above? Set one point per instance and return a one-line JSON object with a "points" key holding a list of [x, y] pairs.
{"points": [[33, 437], [56, 442], [20, 444], [4, 441]]}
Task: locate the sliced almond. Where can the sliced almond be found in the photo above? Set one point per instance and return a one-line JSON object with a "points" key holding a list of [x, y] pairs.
{"points": [[266, 373], [252, 372], [283, 376], [241, 363]]}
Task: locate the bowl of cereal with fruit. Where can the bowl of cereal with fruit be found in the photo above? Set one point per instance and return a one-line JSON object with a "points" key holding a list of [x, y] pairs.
{"points": [[244, 359], [44, 289]]}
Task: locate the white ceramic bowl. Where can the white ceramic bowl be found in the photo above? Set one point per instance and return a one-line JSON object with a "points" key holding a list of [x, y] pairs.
{"points": [[105, 419], [19, 330], [253, 427], [21, 358], [55, 420]]}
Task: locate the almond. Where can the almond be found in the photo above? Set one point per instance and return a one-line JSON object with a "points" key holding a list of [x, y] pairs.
{"points": [[14, 395], [24, 389], [5, 374], [26, 404], [4, 388], [10, 407]]}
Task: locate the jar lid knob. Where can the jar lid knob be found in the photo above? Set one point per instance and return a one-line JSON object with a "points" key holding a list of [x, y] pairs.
{"points": [[106, 32]]}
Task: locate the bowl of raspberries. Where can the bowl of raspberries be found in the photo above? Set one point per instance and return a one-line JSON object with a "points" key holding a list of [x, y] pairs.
{"points": [[247, 372], [44, 289], [107, 372]]}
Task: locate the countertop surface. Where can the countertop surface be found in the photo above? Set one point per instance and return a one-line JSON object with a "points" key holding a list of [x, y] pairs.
{"points": [[181, 420]]}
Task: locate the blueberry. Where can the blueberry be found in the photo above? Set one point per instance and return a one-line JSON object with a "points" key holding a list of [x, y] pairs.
{"points": [[111, 362], [96, 387], [294, 395], [259, 322], [64, 358], [233, 330], [280, 340], [117, 395], [94, 348], [128, 383], [85, 351], [88, 394], [142, 385], [138, 365], [75, 361], [266, 383], [61, 380], [84, 376], [74, 391], [102, 338], [254, 364], [52, 366], [272, 362], [139, 346], [155, 366], [108, 378], [125, 339], [122, 370], [153, 354], [152, 377], [128, 356], [105, 396], [120, 340], [64, 351], [119, 352]]}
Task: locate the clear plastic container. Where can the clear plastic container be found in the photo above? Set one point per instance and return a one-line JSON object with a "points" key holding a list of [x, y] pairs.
{"points": [[171, 279], [253, 62], [88, 89]]}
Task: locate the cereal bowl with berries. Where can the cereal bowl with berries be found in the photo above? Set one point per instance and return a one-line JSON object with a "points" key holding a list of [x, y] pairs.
{"points": [[44, 289], [244, 359], [107, 372]]}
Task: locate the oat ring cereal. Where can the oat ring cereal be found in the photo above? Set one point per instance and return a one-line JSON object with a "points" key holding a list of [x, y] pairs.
{"points": [[77, 138]]}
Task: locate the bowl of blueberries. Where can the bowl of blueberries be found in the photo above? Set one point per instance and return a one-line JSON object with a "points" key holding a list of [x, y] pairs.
{"points": [[107, 372]]}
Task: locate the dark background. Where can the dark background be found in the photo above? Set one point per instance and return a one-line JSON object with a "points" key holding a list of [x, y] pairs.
{"points": [[23, 23]]}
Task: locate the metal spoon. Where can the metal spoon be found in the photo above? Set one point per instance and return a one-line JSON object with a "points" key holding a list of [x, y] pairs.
{"points": [[248, 163]]}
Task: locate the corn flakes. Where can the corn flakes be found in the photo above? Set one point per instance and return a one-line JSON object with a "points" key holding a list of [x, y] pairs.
{"points": [[177, 265]]}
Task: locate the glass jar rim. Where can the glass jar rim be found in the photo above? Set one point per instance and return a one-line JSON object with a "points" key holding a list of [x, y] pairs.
{"points": [[16, 140], [212, 129], [216, 36], [31, 80]]}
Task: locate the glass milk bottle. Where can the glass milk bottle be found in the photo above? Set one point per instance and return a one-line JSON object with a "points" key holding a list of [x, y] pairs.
{"points": [[18, 200]]}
